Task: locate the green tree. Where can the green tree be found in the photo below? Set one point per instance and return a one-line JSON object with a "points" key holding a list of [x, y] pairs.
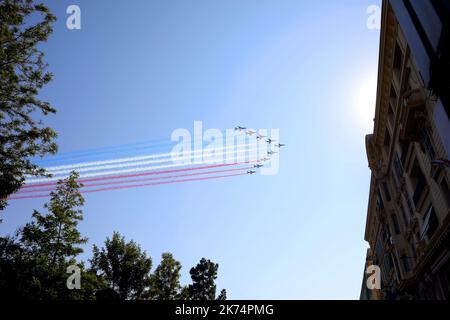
{"points": [[203, 276], [55, 236], [34, 263], [15, 270], [22, 74], [183, 294], [124, 266], [52, 241], [165, 280], [222, 295]]}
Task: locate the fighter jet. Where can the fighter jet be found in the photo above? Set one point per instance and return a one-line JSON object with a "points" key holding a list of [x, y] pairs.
{"points": [[269, 141], [260, 136], [279, 145], [271, 153], [250, 132], [265, 159], [251, 172], [257, 166], [239, 128]]}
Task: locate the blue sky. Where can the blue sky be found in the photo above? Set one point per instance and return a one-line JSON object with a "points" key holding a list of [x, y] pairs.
{"points": [[137, 70]]}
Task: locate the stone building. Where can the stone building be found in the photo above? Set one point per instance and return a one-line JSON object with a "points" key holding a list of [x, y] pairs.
{"points": [[408, 216]]}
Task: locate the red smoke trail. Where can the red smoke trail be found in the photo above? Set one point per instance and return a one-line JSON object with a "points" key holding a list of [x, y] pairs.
{"points": [[34, 185], [137, 185], [140, 180]]}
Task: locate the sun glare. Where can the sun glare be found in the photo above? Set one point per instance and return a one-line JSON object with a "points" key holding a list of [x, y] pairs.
{"points": [[364, 102]]}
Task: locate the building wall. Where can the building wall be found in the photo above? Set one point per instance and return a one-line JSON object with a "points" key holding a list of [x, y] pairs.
{"points": [[426, 29], [409, 201]]}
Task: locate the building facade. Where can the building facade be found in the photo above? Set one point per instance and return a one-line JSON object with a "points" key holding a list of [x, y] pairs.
{"points": [[408, 216]]}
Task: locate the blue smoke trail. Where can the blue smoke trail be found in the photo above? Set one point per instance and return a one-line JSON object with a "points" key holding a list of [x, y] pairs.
{"points": [[99, 153]]}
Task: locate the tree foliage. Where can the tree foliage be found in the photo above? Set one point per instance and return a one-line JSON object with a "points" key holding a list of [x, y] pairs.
{"points": [[22, 74], [55, 236], [34, 262], [183, 294], [165, 280], [124, 266], [203, 276], [222, 295]]}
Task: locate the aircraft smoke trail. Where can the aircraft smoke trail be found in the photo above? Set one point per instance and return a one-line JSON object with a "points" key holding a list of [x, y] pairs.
{"points": [[135, 186], [168, 155], [121, 173], [103, 153], [124, 181], [140, 163], [138, 169], [116, 149], [143, 174]]}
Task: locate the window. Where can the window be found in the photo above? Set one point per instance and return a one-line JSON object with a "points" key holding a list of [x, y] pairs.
{"points": [[398, 168], [393, 97], [405, 263], [391, 115], [418, 190], [404, 216], [380, 204], [418, 182], [387, 264], [405, 148], [379, 248], [387, 194], [445, 191], [385, 234], [395, 223], [408, 203], [426, 143], [398, 58], [387, 139], [412, 246], [396, 267], [430, 224]]}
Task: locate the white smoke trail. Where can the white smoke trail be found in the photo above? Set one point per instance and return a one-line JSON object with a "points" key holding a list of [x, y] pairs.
{"points": [[138, 169], [75, 166], [137, 163]]}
